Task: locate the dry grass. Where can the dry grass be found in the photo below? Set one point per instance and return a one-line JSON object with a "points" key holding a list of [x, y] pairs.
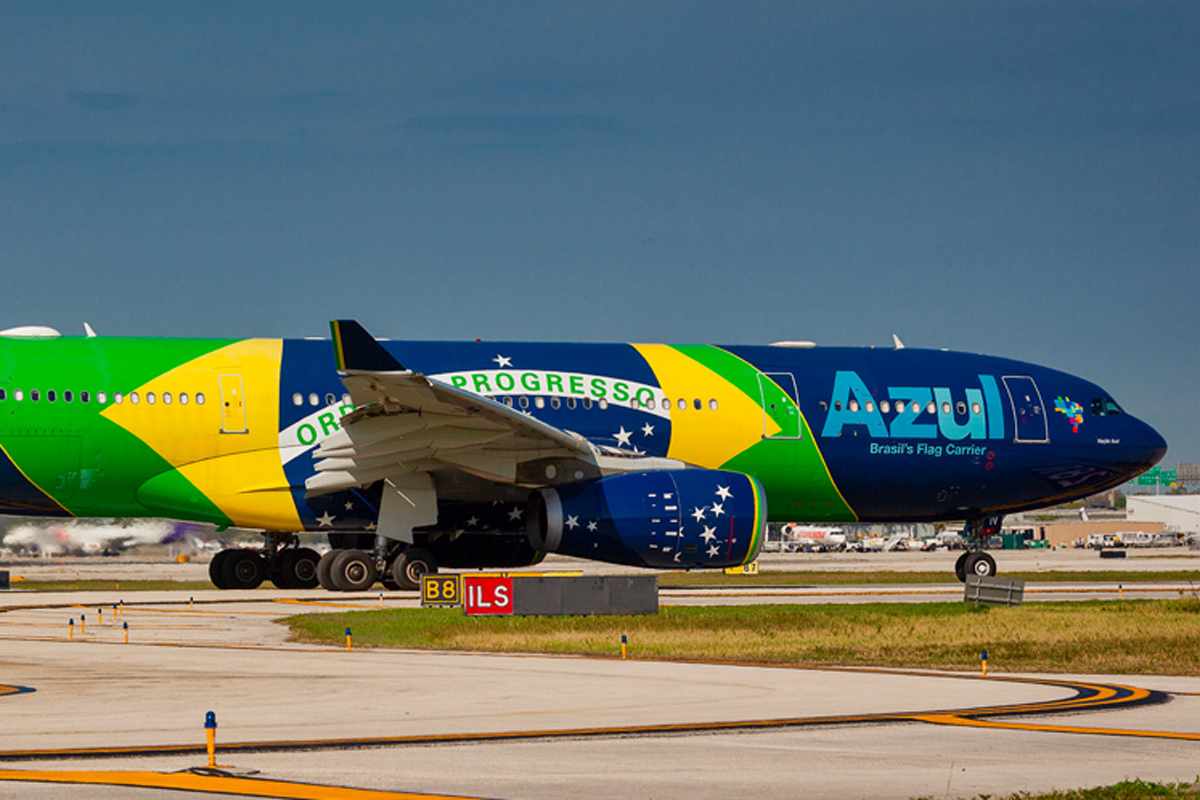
{"points": [[1150, 636]]}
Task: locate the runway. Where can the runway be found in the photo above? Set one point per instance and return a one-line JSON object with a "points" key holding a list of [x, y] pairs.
{"points": [[94, 709]]}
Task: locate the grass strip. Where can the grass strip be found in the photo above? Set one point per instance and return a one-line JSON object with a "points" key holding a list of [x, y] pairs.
{"points": [[803, 578], [1134, 636], [1125, 790]]}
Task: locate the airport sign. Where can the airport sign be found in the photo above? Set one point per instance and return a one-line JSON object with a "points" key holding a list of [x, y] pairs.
{"points": [[440, 591], [1157, 476], [487, 595]]}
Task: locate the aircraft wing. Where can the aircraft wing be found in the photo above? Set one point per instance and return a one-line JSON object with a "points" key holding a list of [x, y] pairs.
{"points": [[406, 422]]}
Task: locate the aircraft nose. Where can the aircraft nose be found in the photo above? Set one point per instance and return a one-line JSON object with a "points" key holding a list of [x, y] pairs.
{"points": [[1151, 445]]}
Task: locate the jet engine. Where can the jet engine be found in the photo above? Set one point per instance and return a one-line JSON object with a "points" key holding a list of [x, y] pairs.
{"points": [[667, 519]]}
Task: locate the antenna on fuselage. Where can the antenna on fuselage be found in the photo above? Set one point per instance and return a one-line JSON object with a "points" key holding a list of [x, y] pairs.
{"points": [[87, 329], [899, 345]]}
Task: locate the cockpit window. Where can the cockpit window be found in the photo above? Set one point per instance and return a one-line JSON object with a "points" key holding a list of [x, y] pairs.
{"points": [[1105, 407]]}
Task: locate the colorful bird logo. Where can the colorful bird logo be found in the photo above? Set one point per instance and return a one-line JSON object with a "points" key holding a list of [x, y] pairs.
{"points": [[1072, 410]]}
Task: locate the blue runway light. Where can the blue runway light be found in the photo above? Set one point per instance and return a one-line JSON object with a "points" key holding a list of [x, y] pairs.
{"points": [[210, 720]]}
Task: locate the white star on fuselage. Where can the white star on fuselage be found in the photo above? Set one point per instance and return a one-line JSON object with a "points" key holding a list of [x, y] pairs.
{"points": [[502, 361], [326, 520], [698, 513], [724, 493], [647, 429], [472, 522], [591, 526], [712, 551], [709, 534], [516, 513], [349, 505], [572, 522], [622, 436], [718, 509]]}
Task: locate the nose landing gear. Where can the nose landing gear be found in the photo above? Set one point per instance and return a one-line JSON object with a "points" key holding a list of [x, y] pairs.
{"points": [[976, 561]]}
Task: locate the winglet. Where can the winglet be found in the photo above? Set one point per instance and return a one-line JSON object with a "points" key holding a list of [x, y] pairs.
{"points": [[355, 349]]}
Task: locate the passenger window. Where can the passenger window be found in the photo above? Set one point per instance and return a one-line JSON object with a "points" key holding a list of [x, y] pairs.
{"points": [[35, 395], [681, 404], [853, 406], [50, 396], [330, 399], [345, 398], [297, 399], [900, 406], [101, 397], [961, 408], [84, 397], [539, 401], [571, 403], [18, 395], [696, 404], [68, 396], [976, 409], [932, 407], [3, 395], [837, 405], [603, 404], [150, 398], [587, 403], [183, 398], [946, 407], [712, 405], [885, 406], [133, 398], [167, 398], [313, 399], [555, 402], [118, 398], [824, 405], [524, 401], [199, 398], [870, 406]]}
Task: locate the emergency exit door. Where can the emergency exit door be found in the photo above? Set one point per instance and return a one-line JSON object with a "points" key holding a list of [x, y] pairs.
{"points": [[1029, 415], [780, 405], [233, 404]]}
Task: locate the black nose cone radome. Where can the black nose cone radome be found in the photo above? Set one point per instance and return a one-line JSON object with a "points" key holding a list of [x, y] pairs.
{"points": [[1147, 446]]}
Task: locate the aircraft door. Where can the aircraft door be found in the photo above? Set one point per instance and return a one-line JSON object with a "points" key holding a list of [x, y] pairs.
{"points": [[780, 405], [233, 404], [1029, 415]]}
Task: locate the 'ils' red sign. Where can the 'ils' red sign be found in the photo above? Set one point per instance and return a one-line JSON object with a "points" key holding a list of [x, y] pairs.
{"points": [[486, 595]]}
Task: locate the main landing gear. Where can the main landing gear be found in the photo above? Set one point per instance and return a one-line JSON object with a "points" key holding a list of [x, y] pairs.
{"points": [[396, 564], [281, 560], [976, 561]]}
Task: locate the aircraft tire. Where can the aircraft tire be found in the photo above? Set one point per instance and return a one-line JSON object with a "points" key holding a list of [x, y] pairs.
{"points": [[353, 571], [216, 567], [410, 565], [960, 568], [981, 565], [244, 569], [303, 572], [323, 567]]}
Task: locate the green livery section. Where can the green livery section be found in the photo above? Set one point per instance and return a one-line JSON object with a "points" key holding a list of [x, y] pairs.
{"points": [[792, 466]]}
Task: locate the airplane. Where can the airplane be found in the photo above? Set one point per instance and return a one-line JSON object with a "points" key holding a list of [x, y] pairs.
{"points": [[411, 456]]}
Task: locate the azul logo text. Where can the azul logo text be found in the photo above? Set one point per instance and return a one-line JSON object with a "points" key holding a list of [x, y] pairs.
{"points": [[979, 415]]}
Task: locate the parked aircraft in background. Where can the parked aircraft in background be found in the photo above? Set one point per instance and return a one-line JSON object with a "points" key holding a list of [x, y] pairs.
{"points": [[413, 455]]}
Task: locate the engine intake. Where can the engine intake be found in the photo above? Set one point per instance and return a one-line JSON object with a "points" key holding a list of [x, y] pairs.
{"points": [[667, 519]]}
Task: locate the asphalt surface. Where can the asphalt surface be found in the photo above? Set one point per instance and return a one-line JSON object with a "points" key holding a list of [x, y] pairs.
{"points": [[532, 726]]}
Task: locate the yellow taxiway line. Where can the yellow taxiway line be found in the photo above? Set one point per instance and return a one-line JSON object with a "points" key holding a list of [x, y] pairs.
{"points": [[214, 784]]}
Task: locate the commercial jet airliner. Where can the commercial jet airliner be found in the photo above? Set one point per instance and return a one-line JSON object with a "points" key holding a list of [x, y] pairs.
{"points": [[411, 455]]}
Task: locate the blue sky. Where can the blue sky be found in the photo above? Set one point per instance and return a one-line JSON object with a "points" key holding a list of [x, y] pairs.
{"points": [[1015, 178]]}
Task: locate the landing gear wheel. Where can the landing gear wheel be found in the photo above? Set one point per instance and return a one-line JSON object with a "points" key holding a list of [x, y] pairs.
{"points": [[243, 569], [296, 569], [960, 568], [353, 571], [981, 565], [411, 565], [323, 570], [216, 569]]}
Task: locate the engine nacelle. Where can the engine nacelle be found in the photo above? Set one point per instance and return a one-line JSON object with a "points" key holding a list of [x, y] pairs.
{"points": [[667, 519]]}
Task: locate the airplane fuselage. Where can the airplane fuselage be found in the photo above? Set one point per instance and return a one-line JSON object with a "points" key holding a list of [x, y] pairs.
{"points": [[223, 430]]}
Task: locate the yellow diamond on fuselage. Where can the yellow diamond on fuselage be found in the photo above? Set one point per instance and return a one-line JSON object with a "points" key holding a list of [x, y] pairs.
{"points": [[225, 438], [705, 437]]}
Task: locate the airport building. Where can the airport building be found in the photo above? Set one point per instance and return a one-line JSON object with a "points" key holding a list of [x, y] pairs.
{"points": [[1176, 512]]}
